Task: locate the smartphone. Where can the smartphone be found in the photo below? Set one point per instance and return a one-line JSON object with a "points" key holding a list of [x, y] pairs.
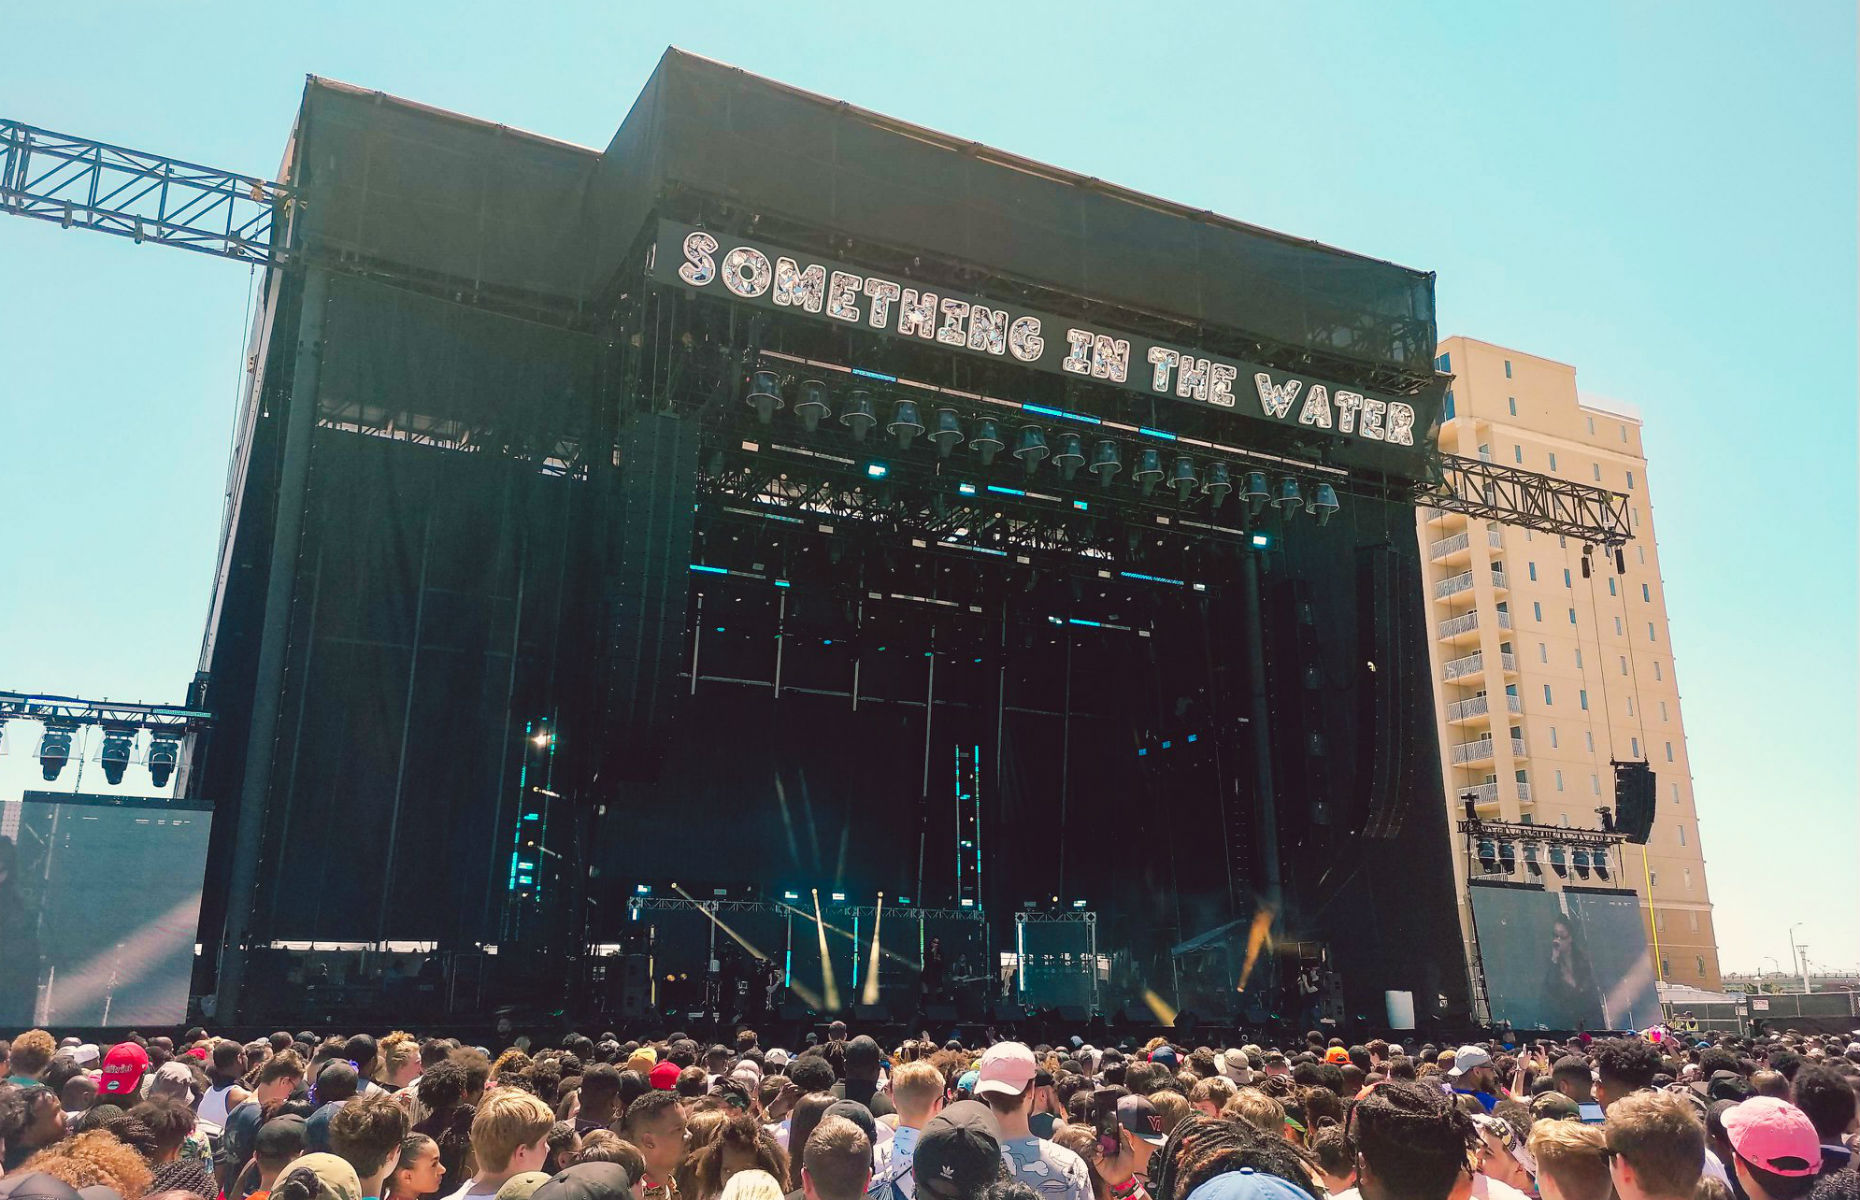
{"points": [[1591, 1113]]}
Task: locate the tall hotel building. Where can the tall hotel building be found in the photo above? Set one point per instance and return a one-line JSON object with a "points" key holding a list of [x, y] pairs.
{"points": [[1544, 675]]}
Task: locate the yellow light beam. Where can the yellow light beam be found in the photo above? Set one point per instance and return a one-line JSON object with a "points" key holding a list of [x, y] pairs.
{"points": [[1258, 937], [1159, 1007], [830, 927], [871, 971], [719, 923], [827, 983]]}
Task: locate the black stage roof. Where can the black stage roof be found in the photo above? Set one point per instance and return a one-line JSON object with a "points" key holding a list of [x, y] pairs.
{"points": [[498, 210]]}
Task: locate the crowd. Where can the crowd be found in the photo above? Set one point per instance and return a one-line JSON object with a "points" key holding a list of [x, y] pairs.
{"points": [[399, 1118]]}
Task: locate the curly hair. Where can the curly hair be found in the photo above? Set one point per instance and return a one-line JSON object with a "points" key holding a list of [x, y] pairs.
{"points": [[442, 1086], [1630, 1062], [1201, 1147], [741, 1133], [94, 1158], [1413, 1139], [32, 1052]]}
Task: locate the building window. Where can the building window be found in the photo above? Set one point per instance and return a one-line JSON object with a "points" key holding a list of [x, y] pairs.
{"points": [[1662, 710], [1700, 960], [1444, 363], [1675, 793], [1559, 781], [1650, 634], [1666, 968], [1553, 460], [1598, 472], [1582, 699], [1579, 658], [1630, 476], [1485, 453], [1630, 702], [1682, 834], [1656, 670], [1623, 659], [1669, 752], [1507, 368], [1547, 699], [1513, 402], [1688, 875], [1532, 567], [1537, 610], [1517, 452], [1591, 426], [1611, 585], [1641, 553], [1566, 582], [1692, 919], [1646, 593], [1449, 413], [1634, 747], [1617, 626], [1589, 737], [1572, 616], [1543, 653], [1553, 737], [1595, 784], [1624, 433]]}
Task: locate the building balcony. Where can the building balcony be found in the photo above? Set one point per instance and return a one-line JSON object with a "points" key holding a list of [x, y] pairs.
{"points": [[1457, 547], [1508, 663], [1481, 750], [1453, 585], [1460, 668], [1467, 625], [1478, 708], [1487, 793], [1500, 585]]}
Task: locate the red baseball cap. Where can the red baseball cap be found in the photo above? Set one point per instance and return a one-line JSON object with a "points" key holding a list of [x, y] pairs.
{"points": [[664, 1077], [122, 1069], [1774, 1135]]}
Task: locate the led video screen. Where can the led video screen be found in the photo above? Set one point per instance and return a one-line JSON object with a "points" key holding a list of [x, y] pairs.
{"points": [[1570, 960], [102, 899]]}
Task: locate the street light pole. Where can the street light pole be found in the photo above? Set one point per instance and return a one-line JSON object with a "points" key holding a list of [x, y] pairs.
{"points": [[1795, 954]]}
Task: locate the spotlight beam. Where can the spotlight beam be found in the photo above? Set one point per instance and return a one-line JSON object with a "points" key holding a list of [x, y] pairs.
{"points": [[719, 923], [871, 971], [827, 983]]}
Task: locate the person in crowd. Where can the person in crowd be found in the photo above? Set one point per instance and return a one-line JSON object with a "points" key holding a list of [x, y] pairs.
{"points": [[1775, 1149], [318, 1177], [590, 1181], [509, 1135], [275, 1082], [1005, 1083], [1335, 1156], [1827, 1098], [397, 1058], [1501, 1155], [564, 1146], [171, 1121], [752, 1185], [225, 1091], [1571, 1076], [863, 1060], [418, 1173], [1572, 1160], [29, 1056], [1412, 1143], [1474, 1075], [93, 1159], [1624, 1066], [838, 1160], [739, 1145], [279, 1143], [656, 1124], [442, 1092], [917, 1094], [1656, 1144], [600, 1089], [809, 1110], [959, 1153], [1141, 1131], [367, 1134]]}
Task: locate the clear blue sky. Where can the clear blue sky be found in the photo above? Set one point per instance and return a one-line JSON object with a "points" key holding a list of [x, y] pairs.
{"points": [[1660, 194]]}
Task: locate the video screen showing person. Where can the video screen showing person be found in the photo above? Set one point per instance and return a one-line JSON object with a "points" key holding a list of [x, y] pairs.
{"points": [[1570, 960], [99, 906]]}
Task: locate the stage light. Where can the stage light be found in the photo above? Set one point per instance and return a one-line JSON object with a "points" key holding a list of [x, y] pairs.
{"points": [[1530, 860], [1471, 804], [541, 739], [1254, 492], [1508, 858], [812, 405], [164, 753], [765, 395], [838, 897], [1600, 863], [1488, 856], [791, 895], [1580, 860], [1078, 904], [1218, 482], [1288, 499], [55, 749], [1620, 562], [1183, 478], [1261, 541], [965, 902], [1031, 447], [118, 746], [642, 889], [1105, 461], [877, 470], [1324, 504], [859, 415], [1558, 862], [948, 432], [1149, 470], [1071, 455], [906, 423], [987, 442]]}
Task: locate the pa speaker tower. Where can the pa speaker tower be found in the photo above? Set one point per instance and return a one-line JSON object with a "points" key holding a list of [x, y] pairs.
{"points": [[1634, 801]]}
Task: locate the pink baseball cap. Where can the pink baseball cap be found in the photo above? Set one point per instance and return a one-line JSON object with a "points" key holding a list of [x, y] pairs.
{"points": [[1006, 1069], [1775, 1135]]}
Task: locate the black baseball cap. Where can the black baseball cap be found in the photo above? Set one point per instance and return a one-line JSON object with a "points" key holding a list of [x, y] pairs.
{"points": [[587, 1181], [281, 1138], [1140, 1117], [958, 1153]]}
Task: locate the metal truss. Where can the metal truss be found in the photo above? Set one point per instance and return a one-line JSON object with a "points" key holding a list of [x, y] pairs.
{"points": [[69, 710], [778, 908], [1515, 496], [1511, 831], [1071, 916], [134, 194]]}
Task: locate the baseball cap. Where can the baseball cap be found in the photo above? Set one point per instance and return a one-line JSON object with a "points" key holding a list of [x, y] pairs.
{"points": [[959, 1152], [1554, 1106], [1005, 1070], [1140, 1117], [863, 1052], [664, 1077], [1248, 1184], [328, 1177], [587, 1181], [1774, 1135], [776, 1058], [1336, 1054], [522, 1186], [1164, 1055], [1467, 1058], [279, 1138], [122, 1069], [84, 1054]]}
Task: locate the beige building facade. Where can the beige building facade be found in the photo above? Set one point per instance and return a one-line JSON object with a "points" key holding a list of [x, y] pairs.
{"points": [[1542, 676]]}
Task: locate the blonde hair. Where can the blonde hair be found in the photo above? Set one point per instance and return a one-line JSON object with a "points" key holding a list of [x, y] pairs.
{"points": [[507, 1121], [915, 1086], [1257, 1109], [394, 1052], [1575, 1156], [93, 1158], [752, 1185]]}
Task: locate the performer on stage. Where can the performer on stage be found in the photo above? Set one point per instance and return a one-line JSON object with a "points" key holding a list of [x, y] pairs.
{"points": [[934, 973]]}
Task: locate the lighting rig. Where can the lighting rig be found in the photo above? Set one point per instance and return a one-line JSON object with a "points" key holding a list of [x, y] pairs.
{"points": [[1494, 849], [125, 727]]}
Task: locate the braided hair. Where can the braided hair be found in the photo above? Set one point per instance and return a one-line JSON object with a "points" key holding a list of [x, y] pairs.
{"points": [[1413, 1139], [1199, 1148]]}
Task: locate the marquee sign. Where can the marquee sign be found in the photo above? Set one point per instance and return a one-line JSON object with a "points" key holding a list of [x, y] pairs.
{"points": [[787, 280]]}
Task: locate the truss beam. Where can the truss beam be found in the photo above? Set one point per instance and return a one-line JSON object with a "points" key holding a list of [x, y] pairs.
{"points": [[73, 711], [1527, 499]]}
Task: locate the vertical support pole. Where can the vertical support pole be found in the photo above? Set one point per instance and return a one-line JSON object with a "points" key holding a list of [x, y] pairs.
{"points": [[1653, 922], [1265, 807], [274, 644]]}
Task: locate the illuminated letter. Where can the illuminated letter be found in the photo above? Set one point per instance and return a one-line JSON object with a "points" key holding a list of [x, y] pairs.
{"points": [[1110, 358], [1276, 399], [917, 316], [1347, 404], [843, 297], [1316, 410], [1024, 340], [954, 311], [988, 329], [798, 288], [1164, 360], [746, 272], [1401, 424], [1079, 361], [883, 292], [1220, 384], [699, 267], [1372, 417], [1192, 378]]}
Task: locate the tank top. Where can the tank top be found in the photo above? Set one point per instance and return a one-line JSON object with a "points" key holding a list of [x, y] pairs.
{"points": [[213, 1105]]}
